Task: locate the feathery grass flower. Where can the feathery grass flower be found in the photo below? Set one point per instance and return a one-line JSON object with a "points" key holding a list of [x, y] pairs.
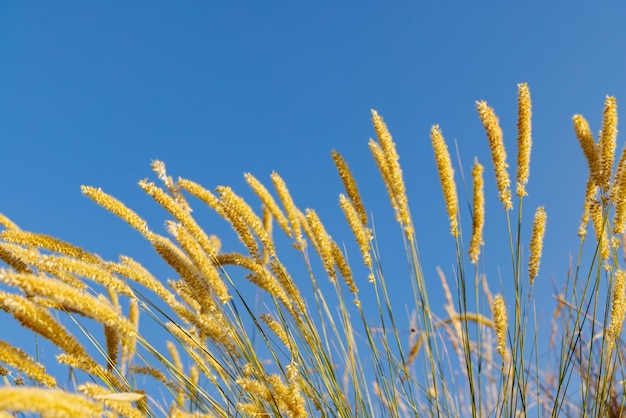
{"points": [[498, 154], [446, 176], [478, 219], [48, 243], [277, 328], [619, 199], [40, 321], [350, 185], [97, 308], [607, 143], [524, 140], [536, 243], [362, 234], [618, 307], [7, 223], [116, 207], [597, 216], [588, 145], [290, 208], [392, 173], [620, 172], [322, 243], [501, 322], [48, 402], [268, 201], [590, 193], [14, 357]]}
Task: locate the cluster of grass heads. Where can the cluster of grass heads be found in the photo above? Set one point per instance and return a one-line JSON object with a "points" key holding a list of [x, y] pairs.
{"points": [[335, 353]]}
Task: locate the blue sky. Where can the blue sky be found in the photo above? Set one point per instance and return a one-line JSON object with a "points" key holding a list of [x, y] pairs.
{"points": [[91, 93]]}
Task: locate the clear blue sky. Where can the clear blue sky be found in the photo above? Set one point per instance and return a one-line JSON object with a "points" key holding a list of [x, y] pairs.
{"points": [[90, 93]]}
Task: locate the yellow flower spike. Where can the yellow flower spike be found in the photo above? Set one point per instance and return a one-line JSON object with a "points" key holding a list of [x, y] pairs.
{"points": [[391, 172], [14, 357], [446, 176], [361, 233], [536, 243], [590, 194], [607, 142], [498, 153], [478, 220], [48, 402], [588, 145], [524, 139], [350, 185], [268, 201], [290, 208], [323, 242], [618, 308], [501, 322], [595, 210], [116, 207]]}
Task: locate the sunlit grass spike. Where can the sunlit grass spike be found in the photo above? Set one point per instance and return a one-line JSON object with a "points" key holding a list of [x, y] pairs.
{"points": [[524, 139]]}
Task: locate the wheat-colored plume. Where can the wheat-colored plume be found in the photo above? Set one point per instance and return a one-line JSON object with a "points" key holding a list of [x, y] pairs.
{"points": [[501, 322], [498, 154], [536, 243], [524, 140], [478, 214], [446, 176]]}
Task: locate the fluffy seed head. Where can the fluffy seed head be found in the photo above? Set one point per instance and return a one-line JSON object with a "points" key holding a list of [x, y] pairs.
{"points": [[478, 220], [588, 145], [446, 176], [524, 141], [618, 308], [607, 142], [500, 320], [498, 154], [536, 243]]}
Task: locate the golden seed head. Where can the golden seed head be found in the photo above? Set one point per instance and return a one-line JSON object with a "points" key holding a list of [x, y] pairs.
{"points": [[524, 140], [7, 223], [343, 267], [361, 233], [536, 243], [174, 189], [244, 220], [350, 185], [277, 329], [268, 201], [322, 243], [607, 142], [597, 216], [620, 172], [116, 207], [498, 154], [618, 308], [446, 177], [590, 194], [290, 207], [501, 322], [618, 195], [47, 402], [14, 357], [588, 145], [40, 321], [387, 160], [478, 220]]}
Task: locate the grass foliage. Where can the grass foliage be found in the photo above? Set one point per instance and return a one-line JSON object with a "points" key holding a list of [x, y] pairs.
{"points": [[333, 343]]}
